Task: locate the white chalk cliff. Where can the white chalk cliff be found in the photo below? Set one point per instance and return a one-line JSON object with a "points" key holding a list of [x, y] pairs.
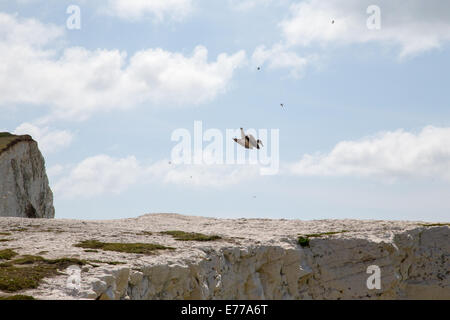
{"points": [[254, 259], [24, 188]]}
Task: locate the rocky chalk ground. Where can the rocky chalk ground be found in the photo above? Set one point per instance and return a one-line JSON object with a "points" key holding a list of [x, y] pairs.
{"points": [[252, 259]]}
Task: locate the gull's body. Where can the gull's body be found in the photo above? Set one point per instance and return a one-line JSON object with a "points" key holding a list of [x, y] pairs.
{"points": [[248, 141]]}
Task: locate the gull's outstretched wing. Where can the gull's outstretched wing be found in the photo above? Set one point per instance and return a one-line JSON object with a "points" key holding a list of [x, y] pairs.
{"points": [[242, 134], [252, 140]]}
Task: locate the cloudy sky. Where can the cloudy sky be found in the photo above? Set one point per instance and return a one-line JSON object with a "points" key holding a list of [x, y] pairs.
{"points": [[364, 131]]}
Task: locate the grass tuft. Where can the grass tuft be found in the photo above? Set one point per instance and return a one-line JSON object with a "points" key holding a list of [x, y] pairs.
{"points": [[19, 229], [18, 297], [144, 233], [142, 248], [108, 262], [27, 271], [303, 240], [7, 254], [7, 140], [434, 224], [190, 236]]}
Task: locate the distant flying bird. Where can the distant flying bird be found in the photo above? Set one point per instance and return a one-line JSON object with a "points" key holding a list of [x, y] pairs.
{"points": [[259, 68], [332, 22], [248, 141], [282, 105]]}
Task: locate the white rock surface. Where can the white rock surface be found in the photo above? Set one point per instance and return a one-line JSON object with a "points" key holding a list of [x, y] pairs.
{"points": [[255, 259], [24, 188]]}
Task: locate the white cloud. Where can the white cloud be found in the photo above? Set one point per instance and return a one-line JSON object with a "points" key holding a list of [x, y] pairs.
{"points": [[99, 175], [217, 176], [245, 5], [103, 174], [412, 28], [80, 82], [55, 170], [48, 140], [415, 26], [26, 31], [157, 9], [391, 155], [279, 56]]}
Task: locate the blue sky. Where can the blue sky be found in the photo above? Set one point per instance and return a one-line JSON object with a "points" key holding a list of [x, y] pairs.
{"points": [[365, 132]]}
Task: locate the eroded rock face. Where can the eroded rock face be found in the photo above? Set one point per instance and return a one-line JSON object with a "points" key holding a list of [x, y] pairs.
{"points": [[414, 266], [254, 259], [24, 188]]}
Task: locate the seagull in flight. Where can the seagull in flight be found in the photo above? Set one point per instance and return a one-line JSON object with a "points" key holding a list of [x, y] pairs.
{"points": [[248, 141]]}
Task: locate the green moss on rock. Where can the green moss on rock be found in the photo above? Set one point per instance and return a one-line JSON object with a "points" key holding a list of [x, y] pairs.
{"points": [[7, 140], [142, 248], [7, 254], [190, 236], [18, 297], [303, 240], [27, 271]]}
